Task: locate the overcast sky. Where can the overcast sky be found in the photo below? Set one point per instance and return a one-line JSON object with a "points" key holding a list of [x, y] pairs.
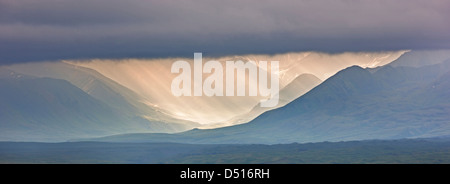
{"points": [[37, 30]]}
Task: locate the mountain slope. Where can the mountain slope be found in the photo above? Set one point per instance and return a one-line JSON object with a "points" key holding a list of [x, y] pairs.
{"points": [[354, 104], [45, 109], [419, 58], [114, 95], [298, 87]]}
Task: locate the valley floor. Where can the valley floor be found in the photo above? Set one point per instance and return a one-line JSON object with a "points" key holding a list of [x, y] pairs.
{"points": [[377, 151]]}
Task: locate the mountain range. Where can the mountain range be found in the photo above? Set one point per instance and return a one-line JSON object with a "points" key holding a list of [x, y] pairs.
{"points": [[59, 101], [388, 102], [54, 109]]}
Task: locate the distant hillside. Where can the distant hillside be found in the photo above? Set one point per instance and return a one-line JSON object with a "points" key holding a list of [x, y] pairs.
{"points": [[111, 93], [45, 109], [419, 58]]}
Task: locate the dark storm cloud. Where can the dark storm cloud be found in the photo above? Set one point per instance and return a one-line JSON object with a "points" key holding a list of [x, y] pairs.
{"points": [[33, 30]]}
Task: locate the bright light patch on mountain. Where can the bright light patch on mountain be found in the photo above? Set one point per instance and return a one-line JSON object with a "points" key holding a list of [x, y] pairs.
{"points": [[151, 80]]}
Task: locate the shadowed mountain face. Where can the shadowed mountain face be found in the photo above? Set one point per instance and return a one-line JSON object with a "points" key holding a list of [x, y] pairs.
{"points": [[107, 91], [46, 109], [355, 104]]}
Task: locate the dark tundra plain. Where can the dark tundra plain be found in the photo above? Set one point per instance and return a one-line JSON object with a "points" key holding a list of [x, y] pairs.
{"points": [[418, 151]]}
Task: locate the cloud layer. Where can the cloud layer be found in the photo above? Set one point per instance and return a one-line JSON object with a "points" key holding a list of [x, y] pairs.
{"points": [[62, 29]]}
